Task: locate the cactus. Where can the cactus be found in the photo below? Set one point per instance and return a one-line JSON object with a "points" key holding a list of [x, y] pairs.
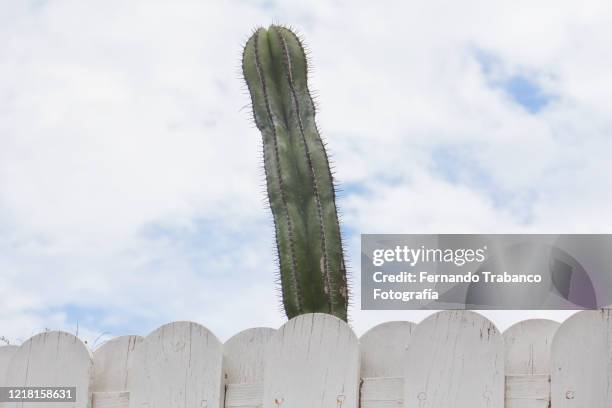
{"points": [[299, 181]]}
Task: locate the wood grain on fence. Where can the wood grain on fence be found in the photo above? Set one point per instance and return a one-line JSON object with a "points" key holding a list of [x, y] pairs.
{"points": [[455, 359], [582, 361], [52, 359], [112, 366], [528, 363], [179, 365], [244, 359], [313, 361], [383, 351], [112, 363]]}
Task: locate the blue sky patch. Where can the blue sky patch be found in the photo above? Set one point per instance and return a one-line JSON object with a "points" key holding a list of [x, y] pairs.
{"points": [[521, 88], [526, 93]]}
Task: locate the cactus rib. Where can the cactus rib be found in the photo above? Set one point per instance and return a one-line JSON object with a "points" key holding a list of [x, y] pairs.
{"points": [[279, 179]]}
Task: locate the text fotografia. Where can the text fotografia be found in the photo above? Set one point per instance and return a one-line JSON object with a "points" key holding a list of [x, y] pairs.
{"points": [[431, 294]]}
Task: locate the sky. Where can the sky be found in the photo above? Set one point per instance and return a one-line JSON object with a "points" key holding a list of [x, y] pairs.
{"points": [[131, 184]]}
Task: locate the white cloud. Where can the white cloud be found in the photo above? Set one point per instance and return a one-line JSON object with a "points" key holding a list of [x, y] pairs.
{"points": [[130, 180]]}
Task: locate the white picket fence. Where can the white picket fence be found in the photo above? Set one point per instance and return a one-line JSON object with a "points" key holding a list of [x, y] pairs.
{"points": [[453, 359]]}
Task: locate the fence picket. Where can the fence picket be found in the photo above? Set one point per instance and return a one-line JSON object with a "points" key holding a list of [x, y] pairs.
{"points": [[528, 363], [6, 353], [112, 363], [582, 361], [455, 359], [179, 365], [244, 358], [52, 359], [383, 351], [313, 361], [244, 355]]}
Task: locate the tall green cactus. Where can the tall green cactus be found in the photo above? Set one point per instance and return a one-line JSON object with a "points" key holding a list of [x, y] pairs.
{"points": [[299, 181]]}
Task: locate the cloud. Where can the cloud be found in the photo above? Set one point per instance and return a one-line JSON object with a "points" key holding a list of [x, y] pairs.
{"points": [[131, 190]]}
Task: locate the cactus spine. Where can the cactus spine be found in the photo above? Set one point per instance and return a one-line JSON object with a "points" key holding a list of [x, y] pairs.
{"points": [[299, 181]]}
